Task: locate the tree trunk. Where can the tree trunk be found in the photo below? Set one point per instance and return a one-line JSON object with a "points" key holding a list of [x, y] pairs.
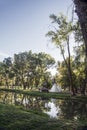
{"points": [[69, 69], [81, 10], [68, 65]]}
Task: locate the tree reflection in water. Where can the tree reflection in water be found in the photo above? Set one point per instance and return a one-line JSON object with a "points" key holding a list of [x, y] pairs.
{"points": [[74, 110], [56, 108]]}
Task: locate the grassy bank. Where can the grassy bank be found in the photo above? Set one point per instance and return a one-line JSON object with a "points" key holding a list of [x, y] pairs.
{"points": [[57, 95], [15, 118]]}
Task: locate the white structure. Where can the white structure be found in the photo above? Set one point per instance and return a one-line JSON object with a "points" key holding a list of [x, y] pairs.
{"points": [[55, 88]]}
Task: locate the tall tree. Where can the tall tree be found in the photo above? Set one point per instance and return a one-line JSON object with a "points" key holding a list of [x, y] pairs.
{"points": [[31, 68], [81, 10], [79, 66], [7, 64], [60, 36]]}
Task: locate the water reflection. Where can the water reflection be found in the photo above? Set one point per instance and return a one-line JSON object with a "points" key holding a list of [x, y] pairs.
{"points": [[55, 108], [28, 102], [74, 110]]}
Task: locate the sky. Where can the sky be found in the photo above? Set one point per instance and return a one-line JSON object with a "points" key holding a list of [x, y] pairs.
{"points": [[24, 24]]}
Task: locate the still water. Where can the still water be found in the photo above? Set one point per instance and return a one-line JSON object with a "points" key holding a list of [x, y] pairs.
{"points": [[55, 108]]}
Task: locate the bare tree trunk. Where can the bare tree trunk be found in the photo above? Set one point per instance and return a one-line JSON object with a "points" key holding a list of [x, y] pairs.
{"points": [[69, 68], [68, 65], [81, 10]]}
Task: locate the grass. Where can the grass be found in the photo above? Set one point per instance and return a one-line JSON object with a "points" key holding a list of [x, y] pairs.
{"points": [[60, 95], [15, 118]]}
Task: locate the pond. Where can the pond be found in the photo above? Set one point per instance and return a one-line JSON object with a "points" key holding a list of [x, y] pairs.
{"points": [[55, 108]]}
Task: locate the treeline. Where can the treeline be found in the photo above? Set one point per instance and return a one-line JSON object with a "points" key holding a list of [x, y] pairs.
{"points": [[26, 70]]}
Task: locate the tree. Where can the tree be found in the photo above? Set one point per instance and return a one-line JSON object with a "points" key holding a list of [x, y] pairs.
{"points": [[60, 36], [81, 10], [28, 70], [6, 69], [79, 66], [20, 67], [62, 76], [31, 68]]}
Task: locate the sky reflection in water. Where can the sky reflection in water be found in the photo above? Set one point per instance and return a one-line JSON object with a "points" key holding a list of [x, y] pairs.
{"points": [[55, 108]]}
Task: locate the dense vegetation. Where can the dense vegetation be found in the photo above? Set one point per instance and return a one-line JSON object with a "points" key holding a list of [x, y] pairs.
{"points": [[26, 70]]}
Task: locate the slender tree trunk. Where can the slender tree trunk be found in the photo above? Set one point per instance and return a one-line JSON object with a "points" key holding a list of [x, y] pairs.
{"points": [[6, 82], [22, 81], [69, 68], [81, 10], [68, 65]]}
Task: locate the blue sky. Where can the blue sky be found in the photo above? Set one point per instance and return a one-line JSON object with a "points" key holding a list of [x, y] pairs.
{"points": [[24, 23]]}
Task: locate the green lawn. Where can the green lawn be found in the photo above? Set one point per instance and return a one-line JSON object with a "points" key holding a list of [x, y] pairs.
{"points": [[15, 118]]}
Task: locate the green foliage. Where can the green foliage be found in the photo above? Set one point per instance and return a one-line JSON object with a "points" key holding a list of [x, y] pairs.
{"points": [[62, 76], [28, 70], [61, 30], [78, 67]]}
